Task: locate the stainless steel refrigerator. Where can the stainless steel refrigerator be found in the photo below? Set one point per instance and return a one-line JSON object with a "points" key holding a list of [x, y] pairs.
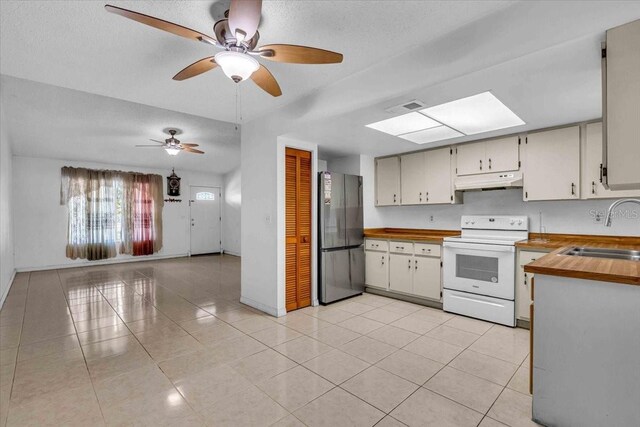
{"points": [[340, 236]]}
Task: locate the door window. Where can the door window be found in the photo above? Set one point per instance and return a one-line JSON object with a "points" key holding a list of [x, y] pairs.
{"points": [[205, 195], [477, 268]]}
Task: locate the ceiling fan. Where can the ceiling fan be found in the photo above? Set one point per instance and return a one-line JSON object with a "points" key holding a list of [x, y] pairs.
{"points": [[237, 35], [173, 146]]}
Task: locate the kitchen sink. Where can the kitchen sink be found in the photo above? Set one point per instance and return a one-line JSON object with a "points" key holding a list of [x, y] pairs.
{"points": [[624, 254]]}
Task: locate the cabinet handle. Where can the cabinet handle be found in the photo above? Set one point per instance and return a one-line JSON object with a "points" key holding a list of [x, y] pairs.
{"points": [[421, 196], [489, 163], [394, 198], [409, 264], [525, 279], [383, 260], [573, 189], [593, 187], [480, 164], [416, 262], [427, 196]]}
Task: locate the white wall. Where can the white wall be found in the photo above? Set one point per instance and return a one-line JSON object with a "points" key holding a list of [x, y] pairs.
{"points": [[231, 213], [349, 165], [6, 212], [568, 217], [40, 223]]}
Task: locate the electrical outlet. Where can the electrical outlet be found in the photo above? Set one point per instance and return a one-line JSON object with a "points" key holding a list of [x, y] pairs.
{"points": [[430, 218], [267, 219]]}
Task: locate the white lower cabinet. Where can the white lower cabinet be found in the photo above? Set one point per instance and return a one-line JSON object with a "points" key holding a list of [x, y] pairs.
{"points": [[407, 267], [523, 283], [377, 269], [401, 273], [426, 277]]}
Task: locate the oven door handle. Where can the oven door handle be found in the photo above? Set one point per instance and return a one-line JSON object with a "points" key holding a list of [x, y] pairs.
{"points": [[480, 247]]}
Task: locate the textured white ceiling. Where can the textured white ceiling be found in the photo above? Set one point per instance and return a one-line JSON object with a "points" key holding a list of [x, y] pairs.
{"points": [[78, 45], [53, 122]]}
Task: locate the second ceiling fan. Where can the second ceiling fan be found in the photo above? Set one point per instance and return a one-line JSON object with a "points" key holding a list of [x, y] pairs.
{"points": [[237, 35]]}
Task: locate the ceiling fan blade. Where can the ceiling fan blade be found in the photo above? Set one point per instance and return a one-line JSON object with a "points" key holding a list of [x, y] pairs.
{"points": [[266, 81], [188, 144], [192, 150], [160, 142], [244, 15], [160, 24], [294, 54], [154, 146], [198, 67]]}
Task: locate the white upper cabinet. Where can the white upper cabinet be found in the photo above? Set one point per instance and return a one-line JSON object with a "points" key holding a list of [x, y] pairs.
{"points": [[552, 165], [502, 154], [470, 158], [388, 181], [593, 160], [438, 175], [621, 107], [494, 155], [413, 179]]}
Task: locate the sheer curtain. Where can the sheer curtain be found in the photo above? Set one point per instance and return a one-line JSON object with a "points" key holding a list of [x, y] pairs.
{"points": [[91, 198], [111, 207], [142, 214]]}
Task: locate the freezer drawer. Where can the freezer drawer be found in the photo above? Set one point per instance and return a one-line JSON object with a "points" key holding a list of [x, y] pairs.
{"points": [[342, 274]]}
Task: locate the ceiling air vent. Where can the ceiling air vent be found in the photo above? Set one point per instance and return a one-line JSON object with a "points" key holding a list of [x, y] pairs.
{"points": [[406, 107]]}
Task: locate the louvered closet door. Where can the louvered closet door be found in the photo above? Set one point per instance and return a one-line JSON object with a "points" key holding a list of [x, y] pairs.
{"points": [[298, 228]]}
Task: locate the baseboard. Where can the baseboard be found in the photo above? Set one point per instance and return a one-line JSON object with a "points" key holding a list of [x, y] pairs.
{"points": [[273, 311], [4, 295], [231, 253], [102, 262]]}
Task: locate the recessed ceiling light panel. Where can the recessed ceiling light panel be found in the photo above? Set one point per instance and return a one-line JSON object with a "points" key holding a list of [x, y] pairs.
{"points": [[474, 114], [404, 124], [431, 135]]}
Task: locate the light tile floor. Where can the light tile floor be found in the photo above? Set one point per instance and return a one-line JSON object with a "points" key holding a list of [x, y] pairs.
{"points": [[168, 343]]}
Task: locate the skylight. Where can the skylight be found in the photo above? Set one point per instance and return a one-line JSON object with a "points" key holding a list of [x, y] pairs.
{"points": [[404, 124], [466, 116]]}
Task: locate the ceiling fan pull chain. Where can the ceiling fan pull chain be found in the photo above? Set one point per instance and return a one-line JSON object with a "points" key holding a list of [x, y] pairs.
{"points": [[237, 107]]}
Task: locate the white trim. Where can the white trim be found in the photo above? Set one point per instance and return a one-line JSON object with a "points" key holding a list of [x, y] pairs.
{"points": [[11, 279], [263, 307], [232, 253], [283, 143], [101, 262]]}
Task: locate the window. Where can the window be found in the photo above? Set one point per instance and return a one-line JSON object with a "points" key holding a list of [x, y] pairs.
{"points": [[205, 195], [111, 212]]}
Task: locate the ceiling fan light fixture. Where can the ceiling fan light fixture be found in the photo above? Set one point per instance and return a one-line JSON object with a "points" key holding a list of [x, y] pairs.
{"points": [[172, 151], [237, 66]]}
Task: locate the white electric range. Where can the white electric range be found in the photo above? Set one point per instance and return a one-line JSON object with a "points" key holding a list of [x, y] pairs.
{"points": [[479, 267]]}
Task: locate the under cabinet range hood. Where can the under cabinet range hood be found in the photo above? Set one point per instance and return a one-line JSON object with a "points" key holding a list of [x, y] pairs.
{"points": [[488, 181]]}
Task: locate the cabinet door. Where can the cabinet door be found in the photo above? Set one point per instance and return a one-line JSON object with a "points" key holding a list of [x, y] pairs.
{"points": [[470, 159], [502, 154], [595, 189], [622, 106], [377, 269], [400, 272], [552, 165], [388, 181], [523, 283], [412, 182], [438, 175], [426, 277]]}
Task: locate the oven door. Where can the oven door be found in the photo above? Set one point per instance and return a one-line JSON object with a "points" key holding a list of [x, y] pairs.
{"points": [[480, 269]]}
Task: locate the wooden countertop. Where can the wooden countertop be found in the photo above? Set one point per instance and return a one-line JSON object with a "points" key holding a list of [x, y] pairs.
{"points": [[416, 234], [588, 268], [556, 241]]}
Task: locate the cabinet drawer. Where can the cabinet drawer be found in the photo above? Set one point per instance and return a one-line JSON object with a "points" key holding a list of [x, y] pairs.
{"points": [[376, 245], [427, 249], [401, 247]]}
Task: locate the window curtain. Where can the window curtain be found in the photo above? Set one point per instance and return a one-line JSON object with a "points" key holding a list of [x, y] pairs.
{"points": [[107, 207], [90, 196], [142, 214]]}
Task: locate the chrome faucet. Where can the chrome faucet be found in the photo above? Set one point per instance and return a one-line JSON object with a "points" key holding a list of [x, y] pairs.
{"points": [[614, 205]]}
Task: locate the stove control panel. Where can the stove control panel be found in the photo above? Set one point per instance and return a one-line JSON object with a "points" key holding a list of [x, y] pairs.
{"points": [[495, 222]]}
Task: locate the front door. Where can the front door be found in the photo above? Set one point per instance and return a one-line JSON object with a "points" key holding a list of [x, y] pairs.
{"points": [[204, 204], [298, 228]]}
